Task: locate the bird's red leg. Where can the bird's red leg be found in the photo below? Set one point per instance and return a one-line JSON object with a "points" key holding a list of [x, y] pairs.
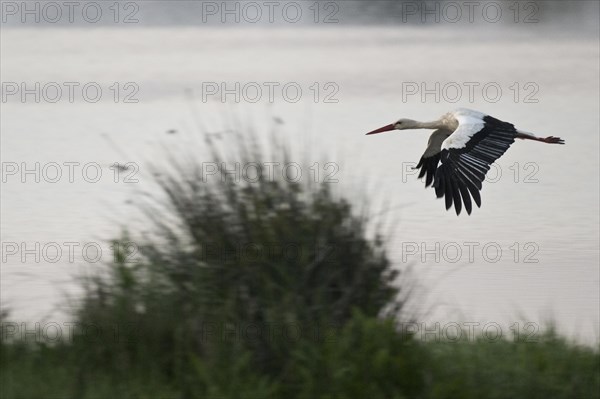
{"points": [[553, 140], [549, 139]]}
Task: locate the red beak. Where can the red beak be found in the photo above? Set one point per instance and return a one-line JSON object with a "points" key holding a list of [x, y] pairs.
{"points": [[386, 128]]}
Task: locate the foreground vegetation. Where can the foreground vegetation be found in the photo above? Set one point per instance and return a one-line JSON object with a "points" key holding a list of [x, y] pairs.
{"points": [[368, 359], [269, 289]]}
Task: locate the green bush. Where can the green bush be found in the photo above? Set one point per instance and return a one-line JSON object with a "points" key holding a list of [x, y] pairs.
{"points": [[367, 358], [262, 266]]}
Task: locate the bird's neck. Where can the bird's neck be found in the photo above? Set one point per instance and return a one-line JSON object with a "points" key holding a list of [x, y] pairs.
{"points": [[430, 125]]}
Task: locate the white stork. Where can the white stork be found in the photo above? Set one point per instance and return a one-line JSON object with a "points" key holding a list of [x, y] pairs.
{"points": [[466, 142]]}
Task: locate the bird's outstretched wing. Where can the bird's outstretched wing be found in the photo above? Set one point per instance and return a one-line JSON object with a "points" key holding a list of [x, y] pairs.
{"points": [[466, 157], [431, 157]]}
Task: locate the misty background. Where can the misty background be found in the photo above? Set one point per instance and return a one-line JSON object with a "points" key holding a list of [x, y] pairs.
{"points": [[370, 53]]}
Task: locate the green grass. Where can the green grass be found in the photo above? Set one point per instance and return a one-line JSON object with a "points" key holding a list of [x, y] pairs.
{"points": [[367, 358], [548, 367]]}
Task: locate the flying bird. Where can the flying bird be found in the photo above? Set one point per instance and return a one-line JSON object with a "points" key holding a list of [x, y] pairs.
{"points": [[460, 151]]}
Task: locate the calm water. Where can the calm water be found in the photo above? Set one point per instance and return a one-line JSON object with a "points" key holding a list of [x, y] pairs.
{"points": [[541, 209]]}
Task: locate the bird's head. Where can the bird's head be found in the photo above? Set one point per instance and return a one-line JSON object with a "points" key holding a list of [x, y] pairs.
{"points": [[401, 124]]}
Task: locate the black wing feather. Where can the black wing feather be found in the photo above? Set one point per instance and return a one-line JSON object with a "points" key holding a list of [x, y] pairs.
{"points": [[428, 166], [464, 192], [456, 194], [463, 170], [448, 193]]}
